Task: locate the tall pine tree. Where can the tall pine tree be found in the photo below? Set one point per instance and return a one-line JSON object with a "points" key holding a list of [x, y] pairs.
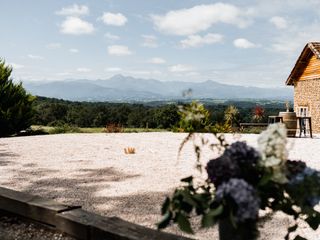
{"points": [[16, 110]]}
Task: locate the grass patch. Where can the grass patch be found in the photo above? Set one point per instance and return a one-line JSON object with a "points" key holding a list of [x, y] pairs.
{"points": [[73, 129], [139, 130], [255, 130]]}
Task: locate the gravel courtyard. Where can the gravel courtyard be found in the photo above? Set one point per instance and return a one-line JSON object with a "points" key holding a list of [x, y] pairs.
{"points": [[93, 171]]}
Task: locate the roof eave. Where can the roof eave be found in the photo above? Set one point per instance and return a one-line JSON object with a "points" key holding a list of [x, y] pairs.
{"points": [[307, 47]]}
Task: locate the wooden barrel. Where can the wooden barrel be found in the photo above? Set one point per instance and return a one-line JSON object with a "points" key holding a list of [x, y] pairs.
{"points": [[290, 120]]}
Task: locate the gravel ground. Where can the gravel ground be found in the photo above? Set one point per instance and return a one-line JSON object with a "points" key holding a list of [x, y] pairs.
{"points": [[92, 170], [12, 228]]}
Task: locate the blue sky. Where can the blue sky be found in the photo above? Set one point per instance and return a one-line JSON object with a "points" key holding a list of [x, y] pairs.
{"points": [[253, 43]]}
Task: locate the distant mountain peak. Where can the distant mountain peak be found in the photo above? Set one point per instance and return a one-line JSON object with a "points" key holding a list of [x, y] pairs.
{"points": [[118, 76], [127, 88]]}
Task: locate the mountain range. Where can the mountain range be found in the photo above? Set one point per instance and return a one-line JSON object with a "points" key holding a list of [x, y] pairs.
{"points": [[126, 88]]}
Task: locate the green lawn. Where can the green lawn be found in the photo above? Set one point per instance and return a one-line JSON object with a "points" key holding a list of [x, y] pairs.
{"points": [[71, 129]]}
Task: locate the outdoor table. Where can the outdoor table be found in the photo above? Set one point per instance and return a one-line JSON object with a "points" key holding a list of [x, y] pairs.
{"points": [[275, 119]]}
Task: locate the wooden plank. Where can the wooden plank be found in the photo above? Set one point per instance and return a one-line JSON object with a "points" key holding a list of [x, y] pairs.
{"points": [[85, 225], [117, 229], [311, 70], [74, 221], [30, 206]]}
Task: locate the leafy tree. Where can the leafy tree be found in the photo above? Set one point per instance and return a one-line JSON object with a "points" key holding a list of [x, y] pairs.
{"points": [[166, 116], [231, 114], [16, 110], [194, 117]]}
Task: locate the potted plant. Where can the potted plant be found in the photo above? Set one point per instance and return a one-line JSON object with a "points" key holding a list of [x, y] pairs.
{"points": [[241, 182]]}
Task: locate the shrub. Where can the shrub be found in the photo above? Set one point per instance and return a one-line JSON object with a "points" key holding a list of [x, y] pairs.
{"points": [[32, 132], [231, 115], [114, 128], [258, 114], [65, 128], [16, 110], [194, 117]]}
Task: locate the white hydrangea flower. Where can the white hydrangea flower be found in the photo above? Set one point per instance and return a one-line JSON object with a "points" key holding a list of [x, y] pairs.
{"points": [[272, 145]]}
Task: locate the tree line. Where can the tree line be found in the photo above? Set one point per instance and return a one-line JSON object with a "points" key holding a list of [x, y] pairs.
{"points": [[55, 112], [19, 110]]}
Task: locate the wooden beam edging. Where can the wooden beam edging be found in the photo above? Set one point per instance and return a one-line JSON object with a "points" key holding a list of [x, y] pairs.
{"points": [[75, 221]]}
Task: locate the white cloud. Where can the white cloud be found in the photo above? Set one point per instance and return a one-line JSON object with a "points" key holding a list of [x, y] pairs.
{"points": [[139, 72], [53, 45], [119, 50], [274, 7], [83, 70], [157, 60], [243, 43], [149, 41], [16, 66], [189, 21], [291, 42], [73, 50], [179, 68], [113, 69], [63, 74], [35, 57], [74, 10], [193, 74], [144, 73], [114, 19], [279, 22], [76, 26], [197, 40], [112, 36]]}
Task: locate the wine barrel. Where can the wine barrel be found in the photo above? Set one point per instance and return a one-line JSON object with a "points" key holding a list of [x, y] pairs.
{"points": [[290, 120]]}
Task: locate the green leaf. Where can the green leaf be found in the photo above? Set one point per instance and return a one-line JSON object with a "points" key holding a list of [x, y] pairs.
{"points": [[183, 223], [217, 211], [187, 179], [209, 218], [265, 179], [165, 221], [313, 221], [187, 197], [207, 221], [290, 230], [165, 206], [299, 238]]}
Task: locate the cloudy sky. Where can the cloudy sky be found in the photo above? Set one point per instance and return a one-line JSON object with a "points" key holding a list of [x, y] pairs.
{"points": [[253, 43]]}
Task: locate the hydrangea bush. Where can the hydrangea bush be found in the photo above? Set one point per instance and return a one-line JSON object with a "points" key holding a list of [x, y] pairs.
{"points": [[244, 180]]}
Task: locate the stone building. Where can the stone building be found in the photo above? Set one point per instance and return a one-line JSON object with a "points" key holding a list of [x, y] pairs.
{"points": [[305, 77]]}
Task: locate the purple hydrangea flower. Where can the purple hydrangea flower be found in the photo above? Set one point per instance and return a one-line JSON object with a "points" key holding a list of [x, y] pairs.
{"points": [[222, 169], [238, 161], [305, 186], [242, 153], [243, 195], [300, 177], [294, 168], [312, 201]]}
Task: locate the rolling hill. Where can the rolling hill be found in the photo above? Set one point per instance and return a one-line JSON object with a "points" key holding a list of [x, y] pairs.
{"points": [[123, 88]]}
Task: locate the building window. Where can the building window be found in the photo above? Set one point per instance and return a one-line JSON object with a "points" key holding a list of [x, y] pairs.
{"points": [[303, 112]]}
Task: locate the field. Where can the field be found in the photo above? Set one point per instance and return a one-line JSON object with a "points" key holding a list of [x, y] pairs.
{"points": [[69, 129], [93, 170]]}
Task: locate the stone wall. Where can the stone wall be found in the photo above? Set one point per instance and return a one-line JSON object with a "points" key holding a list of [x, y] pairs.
{"points": [[307, 94]]}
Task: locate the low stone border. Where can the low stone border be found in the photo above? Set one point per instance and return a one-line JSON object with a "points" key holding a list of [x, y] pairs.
{"points": [[75, 221]]}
